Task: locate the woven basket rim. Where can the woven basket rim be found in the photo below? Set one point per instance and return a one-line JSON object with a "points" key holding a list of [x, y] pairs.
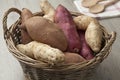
{"points": [[110, 38]]}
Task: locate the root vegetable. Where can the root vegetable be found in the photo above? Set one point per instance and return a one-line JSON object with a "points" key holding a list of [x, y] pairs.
{"points": [[94, 36], [42, 52], [86, 51], [25, 14], [48, 10], [73, 58], [45, 31], [24, 48], [25, 38], [65, 21], [83, 21]]}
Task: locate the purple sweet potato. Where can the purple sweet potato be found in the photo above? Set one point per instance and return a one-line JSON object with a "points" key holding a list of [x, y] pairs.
{"points": [[86, 51], [65, 21]]}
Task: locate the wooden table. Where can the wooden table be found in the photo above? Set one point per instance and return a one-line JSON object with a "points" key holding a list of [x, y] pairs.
{"points": [[10, 68]]}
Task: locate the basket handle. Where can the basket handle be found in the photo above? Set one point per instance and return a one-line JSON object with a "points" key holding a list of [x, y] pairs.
{"points": [[5, 28], [102, 55]]}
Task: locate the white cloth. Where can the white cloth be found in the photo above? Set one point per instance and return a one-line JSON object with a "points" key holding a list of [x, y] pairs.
{"points": [[110, 11]]}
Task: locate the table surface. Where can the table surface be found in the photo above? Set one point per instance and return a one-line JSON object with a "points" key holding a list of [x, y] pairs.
{"points": [[10, 68]]}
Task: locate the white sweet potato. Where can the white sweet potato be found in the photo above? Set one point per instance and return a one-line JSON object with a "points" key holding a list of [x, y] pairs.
{"points": [[83, 21], [42, 52], [24, 48], [94, 36], [65, 21], [48, 10]]}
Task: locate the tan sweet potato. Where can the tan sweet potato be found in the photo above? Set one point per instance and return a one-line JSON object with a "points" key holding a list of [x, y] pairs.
{"points": [[73, 58], [94, 36], [25, 38], [42, 52], [85, 51], [45, 31], [48, 10], [65, 21], [25, 14], [83, 21]]}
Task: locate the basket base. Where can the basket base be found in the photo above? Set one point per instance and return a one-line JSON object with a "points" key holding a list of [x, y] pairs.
{"points": [[40, 74], [27, 77]]}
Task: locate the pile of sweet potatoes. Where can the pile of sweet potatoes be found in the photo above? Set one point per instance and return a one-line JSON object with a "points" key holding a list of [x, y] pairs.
{"points": [[58, 37]]}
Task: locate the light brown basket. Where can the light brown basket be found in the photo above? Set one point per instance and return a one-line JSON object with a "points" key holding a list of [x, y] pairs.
{"points": [[42, 71]]}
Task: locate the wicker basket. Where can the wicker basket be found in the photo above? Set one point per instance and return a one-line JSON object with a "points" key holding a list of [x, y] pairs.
{"points": [[42, 71]]}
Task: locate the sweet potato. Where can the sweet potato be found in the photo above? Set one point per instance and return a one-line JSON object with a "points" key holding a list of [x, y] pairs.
{"points": [[48, 10], [45, 31], [94, 36], [65, 21], [25, 14], [73, 58], [42, 52], [83, 21], [25, 38], [86, 51]]}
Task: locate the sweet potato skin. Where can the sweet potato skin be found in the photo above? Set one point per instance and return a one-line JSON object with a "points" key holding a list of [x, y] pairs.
{"points": [[86, 51], [25, 38], [48, 10], [45, 31], [42, 52], [65, 21], [73, 58], [94, 36], [25, 14], [83, 21]]}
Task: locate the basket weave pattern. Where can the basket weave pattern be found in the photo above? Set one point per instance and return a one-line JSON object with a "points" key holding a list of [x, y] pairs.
{"points": [[42, 71]]}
